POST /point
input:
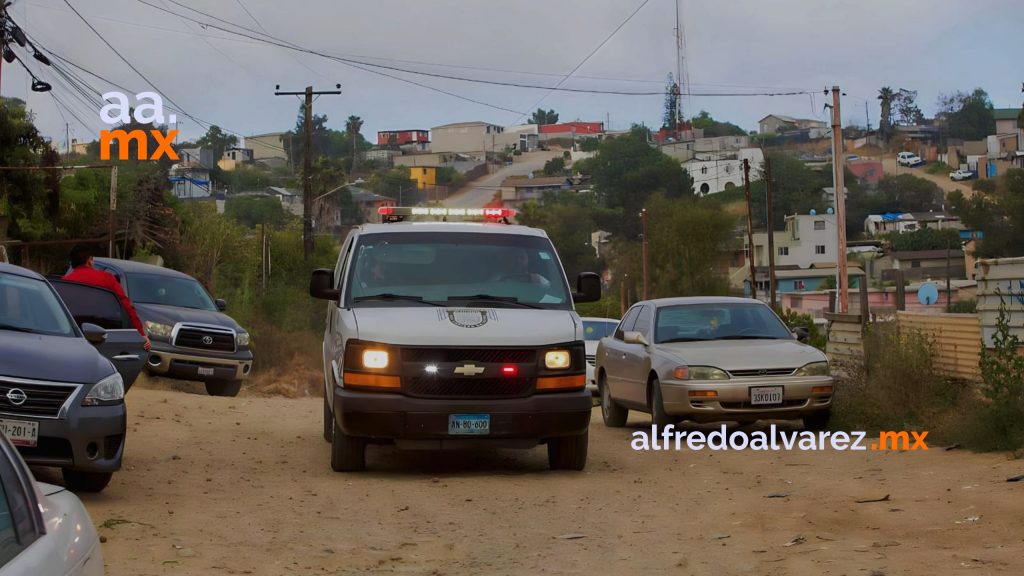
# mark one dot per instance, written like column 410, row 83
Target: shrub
column 963, row 307
column 795, row 318
column 999, row 421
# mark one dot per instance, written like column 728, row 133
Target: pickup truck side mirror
column 588, row 288
column 634, row 338
column 94, row 334
column 321, row 285
column 801, row 333
column 221, row 304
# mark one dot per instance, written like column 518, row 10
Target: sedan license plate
column 20, row 432
column 469, row 424
column 204, row 371
column 765, row 395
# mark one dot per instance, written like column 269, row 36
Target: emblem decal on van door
column 468, row 318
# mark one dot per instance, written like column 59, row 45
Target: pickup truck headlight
column 157, row 329
column 108, row 391
column 242, row 339
column 814, row 369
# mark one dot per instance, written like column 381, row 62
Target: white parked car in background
column 961, row 175
column 44, row 529
column 908, row 159
column 593, row 330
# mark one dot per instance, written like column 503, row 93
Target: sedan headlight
column 108, row 391
column 157, row 329
column 814, row 369
column 242, row 339
column 700, row 373
column 557, row 359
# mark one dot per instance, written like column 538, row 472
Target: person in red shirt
column 83, row 272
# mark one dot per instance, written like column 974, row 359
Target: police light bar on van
column 496, row 213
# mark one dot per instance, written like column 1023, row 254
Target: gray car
column 191, row 336
column 64, row 374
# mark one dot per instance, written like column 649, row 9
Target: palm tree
column 886, row 95
column 353, row 125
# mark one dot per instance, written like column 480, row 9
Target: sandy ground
column 243, row 486
column 890, row 166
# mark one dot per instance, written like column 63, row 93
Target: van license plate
column 469, row 424
column 203, row 371
column 20, row 432
column 765, row 395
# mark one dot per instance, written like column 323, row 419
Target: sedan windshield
column 168, row 291
column 30, row 305
column 456, row 269
column 698, row 322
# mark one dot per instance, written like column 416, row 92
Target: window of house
column 784, row 251
column 819, row 249
column 819, row 224
column 703, row 169
column 915, row 263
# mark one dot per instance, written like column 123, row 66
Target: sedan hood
column 53, row 358
column 423, row 325
column 744, row 354
column 171, row 315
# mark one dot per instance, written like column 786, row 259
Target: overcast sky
column 932, row 46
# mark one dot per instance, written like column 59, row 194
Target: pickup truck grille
column 482, row 355
column 41, row 400
column 205, row 338
column 756, row 372
column 433, row 387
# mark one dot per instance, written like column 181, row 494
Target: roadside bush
column 938, row 168
column 963, row 307
column 794, row 318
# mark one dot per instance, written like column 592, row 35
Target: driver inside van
column 519, row 270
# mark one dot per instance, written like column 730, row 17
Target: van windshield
column 457, row 269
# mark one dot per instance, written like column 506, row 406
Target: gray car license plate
column 765, row 395
column 469, row 424
column 20, row 432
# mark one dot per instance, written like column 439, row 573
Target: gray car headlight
column 242, row 339
column 110, row 390
column 699, row 373
column 814, row 369
column 157, row 329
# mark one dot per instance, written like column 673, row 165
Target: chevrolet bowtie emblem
column 469, row 370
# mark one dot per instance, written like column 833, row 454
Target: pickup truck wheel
column 817, row 422
column 328, row 422
column 223, row 387
column 348, row 454
column 614, row 416
column 568, row 452
column 77, row 481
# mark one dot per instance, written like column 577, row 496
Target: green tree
column 687, row 238
column 392, row 182
column 672, row 115
column 909, row 193
column 554, row 167
column 907, row 112
column 968, row 116
column 713, row 128
column 352, row 127
column 923, row 239
column 217, row 140
column 541, row 117
column 251, row 211
column 568, row 218
column 796, row 189
column 886, row 97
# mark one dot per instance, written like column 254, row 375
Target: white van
column 449, row 335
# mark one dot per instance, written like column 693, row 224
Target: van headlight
column 157, row 329
column 242, row 339
column 108, row 391
column 814, row 369
column 557, row 359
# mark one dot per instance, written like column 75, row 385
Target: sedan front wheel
column 614, row 416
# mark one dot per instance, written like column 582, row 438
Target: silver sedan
column 707, row 360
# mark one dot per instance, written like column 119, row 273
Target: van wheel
column 658, row 416
column 78, row 481
column 348, row 454
column 614, row 416
column 568, row 452
column 223, row 387
column 817, row 422
column 328, row 422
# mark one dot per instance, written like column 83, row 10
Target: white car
column 961, row 175
column 44, row 529
column 593, row 330
column 908, row 159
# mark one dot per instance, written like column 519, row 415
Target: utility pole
column 768, row 186
column 647, row 283
column 838, row 158
column 750, row 230
column 307, row 163
column 113, row 210
column 622, row 295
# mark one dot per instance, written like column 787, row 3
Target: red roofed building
column 867, row 171
column 402, row 137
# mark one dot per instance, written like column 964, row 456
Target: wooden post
column 901, row 291
column 864, row 304
column 750, row 230
column 771, row 231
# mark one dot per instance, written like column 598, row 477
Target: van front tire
column 348, row 454
column 568, row 452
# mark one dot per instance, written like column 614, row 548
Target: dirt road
column 479, row 193
column 890, row 166
column 243, row 486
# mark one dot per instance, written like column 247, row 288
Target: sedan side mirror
column 94, row 334
column 588, row 287
column 634, row 338
column 321, row 285
column 221, row 304
column 801, row 333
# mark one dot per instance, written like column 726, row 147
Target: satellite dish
column 928, row 294
column 829, row 211
column 813, row 212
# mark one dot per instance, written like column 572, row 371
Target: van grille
column 42, row 400
column 205, row 338
column 433, row 387
column 482, row 355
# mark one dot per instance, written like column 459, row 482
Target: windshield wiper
column 670, row 340
column 16, row 328
column 493, row 298
column 389, row 296
column 747, row 337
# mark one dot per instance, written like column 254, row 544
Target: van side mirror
column 801, row 333
column 634, row 338
column 221, row 304
column 588, row 288
column 321, row 285
column 94, row 334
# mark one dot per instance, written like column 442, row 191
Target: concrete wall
column 476, row 138
column 266, row 147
